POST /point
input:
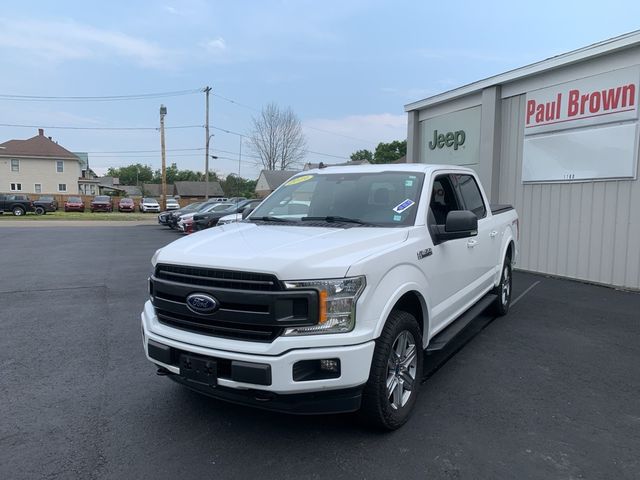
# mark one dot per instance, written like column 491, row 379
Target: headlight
column 337, row 304
column 154, row 259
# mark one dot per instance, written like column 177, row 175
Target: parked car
column 174, row 217
column 74, row 204
column 331, row 310
column 236, row 217
column 126, row 205
column 166, row 217
column 236, row 199
column 185, row 221
column 47, row 202
column 101, row 203
column 17, row 204
column 210, row 219
column 172, row 204
column 148, row 204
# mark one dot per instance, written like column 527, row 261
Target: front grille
column 209, row 277
column 216, row 328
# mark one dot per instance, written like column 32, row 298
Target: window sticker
column 298, row 180
column 397, row 218
column 408, row 183
column 404, row 205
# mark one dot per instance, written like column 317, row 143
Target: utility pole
column 206, row 154
column 163, row 112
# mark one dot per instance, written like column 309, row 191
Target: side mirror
column 247, row 211
column 459, row 224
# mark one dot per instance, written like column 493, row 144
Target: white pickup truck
column 323, row 299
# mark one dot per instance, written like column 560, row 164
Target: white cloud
column 171, row 10
column 60, row 41
column 216, row 45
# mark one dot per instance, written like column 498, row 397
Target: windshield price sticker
column 404, row 205
column 298, row 180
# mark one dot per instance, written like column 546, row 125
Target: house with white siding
column 38, row 165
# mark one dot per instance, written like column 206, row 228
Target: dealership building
column 558, row 140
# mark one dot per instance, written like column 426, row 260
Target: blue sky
column 345, row 67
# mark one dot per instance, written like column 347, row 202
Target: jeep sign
column 452, row 138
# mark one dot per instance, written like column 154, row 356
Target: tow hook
column 162, row 371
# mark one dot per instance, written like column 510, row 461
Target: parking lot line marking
column 524, row 293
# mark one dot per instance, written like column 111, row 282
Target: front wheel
column 503, row 290
column 40, row 211
column 396, row 372
column 18, row 211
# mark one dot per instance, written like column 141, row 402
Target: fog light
column 306, row 370
column 329, row 365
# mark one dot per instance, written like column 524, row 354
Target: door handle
column 493, row 234
column 472, row 243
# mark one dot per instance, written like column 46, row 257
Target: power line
column 70, row 127
column 150, row 151
column 249, row 107
column 99, row 98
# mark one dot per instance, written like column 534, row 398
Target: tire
column 18, row 211
column 396, row 372
column 40, row 211
column 503, row 290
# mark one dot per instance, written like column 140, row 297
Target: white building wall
column 42, row 171
column 587, row 230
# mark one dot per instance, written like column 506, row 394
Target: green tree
column 390, row 152
column 174, row 174
column 235, row 186
column 362, row 155
column 132, row 174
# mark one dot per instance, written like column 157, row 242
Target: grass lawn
column 62, row 215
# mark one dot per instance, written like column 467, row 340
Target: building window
column 93, row 189
column 62, row 187
column 15, row 165
column 16, row 187
column 59, row 166
column 38, row 187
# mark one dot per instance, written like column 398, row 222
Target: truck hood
column 289, row 252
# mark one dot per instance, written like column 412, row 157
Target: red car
column 74, row 204
column 126, row 205
column 101, row 203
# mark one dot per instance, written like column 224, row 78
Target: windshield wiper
column 335, row 219
column 269, row 218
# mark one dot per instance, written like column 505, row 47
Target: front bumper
column 282, row 392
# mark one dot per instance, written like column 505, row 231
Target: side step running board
column 441, row 340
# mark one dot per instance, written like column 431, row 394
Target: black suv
column 46, row 203
column 16, row 204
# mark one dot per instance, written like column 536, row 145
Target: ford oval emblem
column 202, row 304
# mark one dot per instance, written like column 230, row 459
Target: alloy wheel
column 401, row 369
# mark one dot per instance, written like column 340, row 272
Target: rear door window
column 470, row 194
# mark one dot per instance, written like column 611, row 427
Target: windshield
column 149, row 200
column 387, row 199
column 126, row 200
column 191, row 207
column 102, row 198
column 74, row 200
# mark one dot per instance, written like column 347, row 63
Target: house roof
column 197, row 189
column 275, row 178
column 131, row 190
column 36, row 147
column 628, row 40
column 155, row 189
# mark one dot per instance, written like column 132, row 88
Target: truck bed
column 496, row 209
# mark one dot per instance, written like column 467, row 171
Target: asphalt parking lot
column 550, row 391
